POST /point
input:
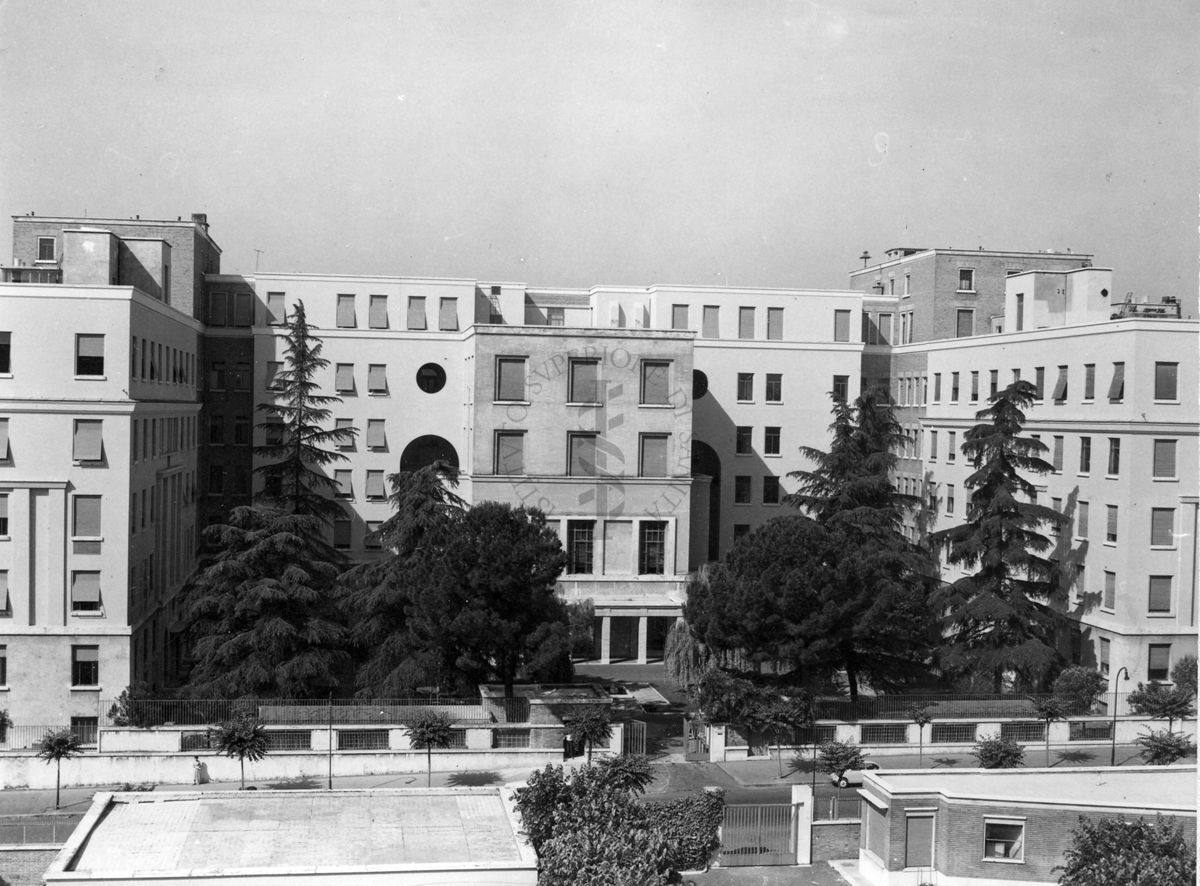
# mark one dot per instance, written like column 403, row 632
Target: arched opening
column 706, row 505
column 425, row 451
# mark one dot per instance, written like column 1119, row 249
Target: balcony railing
column 1168, row 307
column 31, row 275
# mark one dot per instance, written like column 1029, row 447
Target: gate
column 633, row 739
column 695, row 737
column 758, row 834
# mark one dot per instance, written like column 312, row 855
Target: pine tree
column 297, row 444
column 997, row 618
column 260, row 608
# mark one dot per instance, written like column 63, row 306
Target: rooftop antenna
column 257, row 255
column 866, row 257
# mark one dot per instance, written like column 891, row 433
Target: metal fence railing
column 954, row 706
column 836, row 807
column 45, row 829
column 20, row 738
column 297, row 712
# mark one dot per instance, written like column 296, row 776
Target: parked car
column 851, row 777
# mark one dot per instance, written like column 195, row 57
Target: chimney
column 200, row 218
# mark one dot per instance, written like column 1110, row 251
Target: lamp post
column 1116, row 685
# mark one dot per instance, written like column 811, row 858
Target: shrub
column 836, row 757
column 1160, row 703
column 690, row 826
column 1132, row 853
column 1163, row 747
column 130, row 708
column 995, row 752
column 1080, row 687
column 1183, row 675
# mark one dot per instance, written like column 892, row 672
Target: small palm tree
column 431, row 729
column 1048, row 709
column 592, row 725
column 58, row 745
column 244, row 738
column 920, row 716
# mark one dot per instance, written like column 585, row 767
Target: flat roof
column 131, row 835
column 1138, row 788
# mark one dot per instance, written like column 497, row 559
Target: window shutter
column 3, row 439
column 1060, row 386
column 344, row 424
column 91, row 345
column 376, row 436
column 1160, row 593
column 745, row 322
column 655, row 379
column 1058, row 454
column 584, row 379
column 416, row 312
column 88, row 442
column 273, row 368
column 841, row 326
column 510, row 453
column 448, row 315
column 377, row 378
column 654, row 455
column 85, row 588
column 345, row 311
column 375, row 488
column 1162, row 526
column 377, row 317
column 87, row 516
column 1164, row 457
column 712, row 321
column 774, row 324
column 275, row 308
column 344, row 484
column 966, row 324
column 345, row 377
column 1112, row 522
column 679, row 316
column 511, row 381
column 1116, row 390
column 582, row 456
column 1165, row 381
column 1082, row 527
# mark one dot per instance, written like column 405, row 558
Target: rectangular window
column 341, row 533
column 345, row 443
column 741, row 490
column 510, row 378
column 4, row 456
column 1116, row 389
column 954, row 387
column 85, row 665
column 45, row 248
column 416, row 312
column 937, row 387
column 994, row 383
column 740, row 530
column 1085, row 455
column 273, row 433
column 345, row 312
column 581, row 540
column 1159, row 668
column 344, row 378
column 950, row 499
column 371, row 540
column 218, row 309
column 1039, row 382
column 952, row 449
column 743, row 440
column 241, row 430
column 274, row 367
column 377, row 314
column 1089, row 381
column 241, row 376
column 556, row 317
column 1081, row 523
column 771, row 440
column 89, row 355
column 243, row 313
column 745, row 386
column 1114, row 456
column 775, row 324
column 652, row 547
column 679, row 316
column 1057, row 455
column 652, row 460
column 965, row 327
column 841, row 387
column 1004, row 839
column 510, row 452
column 88, row 444
column 86, row 523
column 885, row 329
column 345, row 486
column 1104, row 655
column 584, row 381
column 841, row 326
column 376, row 434
column 712, row 322
column 656, row 377
column 774, row 393
column 1166, row 381
column 770, row 490
column 448, row 315
column 376, row 491
column 1164, row 459
column 377, row 379
column 933, row 445
column 966, row 280
column 1162, row 527
column 974, row 387
column 745, row 322
column 581, row 455
column 1110, row 529
column 1160, row 594
column 276, row 312
column 5, row 353
column 1109, row 600
column 1060, row 386
column 85, row 591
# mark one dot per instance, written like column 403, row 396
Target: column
column 605, row 639
column 643, row 631
column 802, row 817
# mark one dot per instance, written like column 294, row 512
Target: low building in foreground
column 440, row 836
column 977, row 827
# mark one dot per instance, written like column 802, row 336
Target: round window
column 699, row 384
column 431, row 378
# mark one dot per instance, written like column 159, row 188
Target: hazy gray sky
column 577, row 143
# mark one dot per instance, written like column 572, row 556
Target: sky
column 561, row 143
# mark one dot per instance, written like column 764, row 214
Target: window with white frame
column 510, row 452
column 966, row 280
column 1004, row 839
column 89, row 355
column 656, row 375
column 510, row 379
column 85, row 592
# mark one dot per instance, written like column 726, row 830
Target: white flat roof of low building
column 441, row 835
column 1137, row 788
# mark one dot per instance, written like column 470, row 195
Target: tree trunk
column 428, row 765
column 242, row 763
column 852, row 678
column 57, row 782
